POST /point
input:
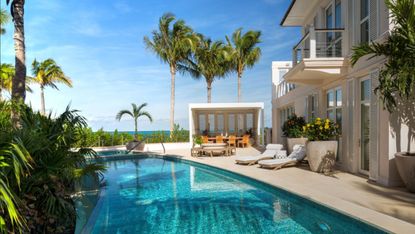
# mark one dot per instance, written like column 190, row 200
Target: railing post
column 312, row 42
column 295, row 57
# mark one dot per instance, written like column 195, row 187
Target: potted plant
column 396, row 86
column 293, row 130
column 321, row 145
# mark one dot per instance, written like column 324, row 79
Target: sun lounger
column 269, row 153
column 296, row 156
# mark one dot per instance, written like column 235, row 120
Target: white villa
column 227, row 119
column 320, row 82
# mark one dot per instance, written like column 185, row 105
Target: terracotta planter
column 295, row 141
column 321, row 155
column 406, row 169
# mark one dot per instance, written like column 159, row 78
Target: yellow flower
column 318, row 122
column 327, row 120
column 321, row 128
column 304, row 128
column 308, row 125
column 318, row 119
column 326, row 126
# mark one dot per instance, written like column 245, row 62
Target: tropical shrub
column 42, row 192
column 293, row 126
column 321, row 130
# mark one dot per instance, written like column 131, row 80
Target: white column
column 191, row 125
column 313, row 46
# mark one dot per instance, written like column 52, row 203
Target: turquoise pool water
column 154, row 195
column 112, row 152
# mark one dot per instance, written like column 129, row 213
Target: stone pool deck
column 392, row 209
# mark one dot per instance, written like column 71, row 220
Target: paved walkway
column 389, row 208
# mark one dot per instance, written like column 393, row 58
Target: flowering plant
column 293, row 126
column 321, row 130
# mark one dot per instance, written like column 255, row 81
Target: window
column 250, row 122
column 241, row 124
column 220, row 123
column 231, row 123
column 329, row 23
column 202, row 124
column 211, row 123
column 364, row 21
column 333, row 17
column 334, row 105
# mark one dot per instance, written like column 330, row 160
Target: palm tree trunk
column 19, row 80
column 135, row 129
column 42, row 100
column 239, row 86
column 209, row 91
column 172, row 96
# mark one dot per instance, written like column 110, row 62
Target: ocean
column 144, row 133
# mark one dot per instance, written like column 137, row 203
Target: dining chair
column 219, row 139
column 244, row 142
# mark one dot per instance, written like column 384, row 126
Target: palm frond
column 121, row 113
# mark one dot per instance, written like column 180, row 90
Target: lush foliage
column 321, row 130
column 137, row 112
column 90, row 138
column 397, row 75
column 45, row 169
column 293, row 126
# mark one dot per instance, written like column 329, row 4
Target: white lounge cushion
column 252, row 158
column 298, row 153
column 269, row 152
column 274, row 146
column 275, row 162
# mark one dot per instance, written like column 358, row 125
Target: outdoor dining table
column 213, row 139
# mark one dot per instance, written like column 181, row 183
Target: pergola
column 227, row 119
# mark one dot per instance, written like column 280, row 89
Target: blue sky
column 99, row 44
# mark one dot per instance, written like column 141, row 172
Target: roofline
column 287, row 12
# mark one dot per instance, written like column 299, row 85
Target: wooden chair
column 244, row 142
column 219, row 139
column 205, row 139
column 232, row 144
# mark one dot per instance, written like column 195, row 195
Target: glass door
column 365, row 96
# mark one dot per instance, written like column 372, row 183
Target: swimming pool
column 156, row 195
column 112, row 152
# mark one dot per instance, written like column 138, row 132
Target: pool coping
column 371, row 217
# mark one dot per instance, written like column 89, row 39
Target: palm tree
column 4, row 19
column 136, row 112
column 210, row 61
column 244, row 53
column 48, row 73
column 19, row 80
column 7, row 72
column 6, row 76
column 173, row 45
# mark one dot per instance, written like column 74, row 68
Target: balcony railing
column 319, row 43
column 283, row 88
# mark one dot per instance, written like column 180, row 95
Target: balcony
column 318, row 57
column 283, row 88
